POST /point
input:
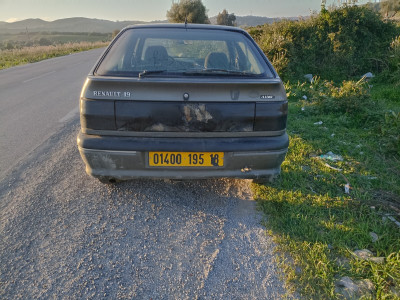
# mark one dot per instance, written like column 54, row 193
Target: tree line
column 194, row 11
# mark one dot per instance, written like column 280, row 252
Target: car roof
column 186, row 26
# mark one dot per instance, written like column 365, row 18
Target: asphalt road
column 36, row 100
column 66, row 235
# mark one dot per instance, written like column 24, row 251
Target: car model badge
column 267, row 97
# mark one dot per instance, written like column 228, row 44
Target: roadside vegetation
column 333, row 210
column 18, row 49
column 9, row 41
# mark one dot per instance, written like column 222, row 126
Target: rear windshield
column 181, row 52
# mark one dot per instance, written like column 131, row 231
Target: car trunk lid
column 187, row 105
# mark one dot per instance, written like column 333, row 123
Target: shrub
column 350, row 97
column 335, row 44
column 392, row 72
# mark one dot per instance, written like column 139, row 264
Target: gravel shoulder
column 65, row 235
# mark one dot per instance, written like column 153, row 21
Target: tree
column 225, row 18
column 191, row 10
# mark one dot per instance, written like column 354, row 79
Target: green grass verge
column 315, row 223
column 15, row 57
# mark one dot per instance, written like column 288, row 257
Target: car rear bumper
column 127, row 157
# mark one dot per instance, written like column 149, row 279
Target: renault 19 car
column 183, row 101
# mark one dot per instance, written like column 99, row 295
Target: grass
column 315, row 223
column 15, row 57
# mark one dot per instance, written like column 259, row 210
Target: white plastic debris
column 304, row 97
column 368, row 75
column 303, row 109
column 331, row 156
column 347, row 188
column 309, row 77
column 374, row 237
column 333, row 168
column 393, row 220
column 319, row 123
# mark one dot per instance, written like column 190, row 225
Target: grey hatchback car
column 183, row 101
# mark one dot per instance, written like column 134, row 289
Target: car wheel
column 107, row 180
column 265, row 180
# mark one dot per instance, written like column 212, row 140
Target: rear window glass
column 181, row 52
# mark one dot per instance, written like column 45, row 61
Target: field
column 26, row 39
column 15, row 57
column 22, row 48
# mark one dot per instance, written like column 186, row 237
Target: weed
column 390, row 130
column 316, row 224
column 392, row 72
column 351, row 98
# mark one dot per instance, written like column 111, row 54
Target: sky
column 148, row 10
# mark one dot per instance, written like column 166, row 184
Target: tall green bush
column 392, row 72
column 335, row 44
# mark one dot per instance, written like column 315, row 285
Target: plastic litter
column 331, row 156
column 333, row 168
column 319, row 123
column 374, row 237
column 303, row 109
column 304, row 97
column 347, row 188
column 368, row 75
column 309, row 77
column 393, row 220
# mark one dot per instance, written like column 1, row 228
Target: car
column 183, row 101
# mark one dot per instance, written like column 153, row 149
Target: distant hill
column 66, row 25
column 247, row 21
column 102, row 26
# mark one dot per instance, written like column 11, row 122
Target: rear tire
column 107, row 180
column 265, row 180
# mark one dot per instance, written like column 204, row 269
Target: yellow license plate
column 186, row 159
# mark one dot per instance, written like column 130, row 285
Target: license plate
column 186, row 159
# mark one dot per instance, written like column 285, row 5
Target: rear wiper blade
column 147, row 72
column 211, row 71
